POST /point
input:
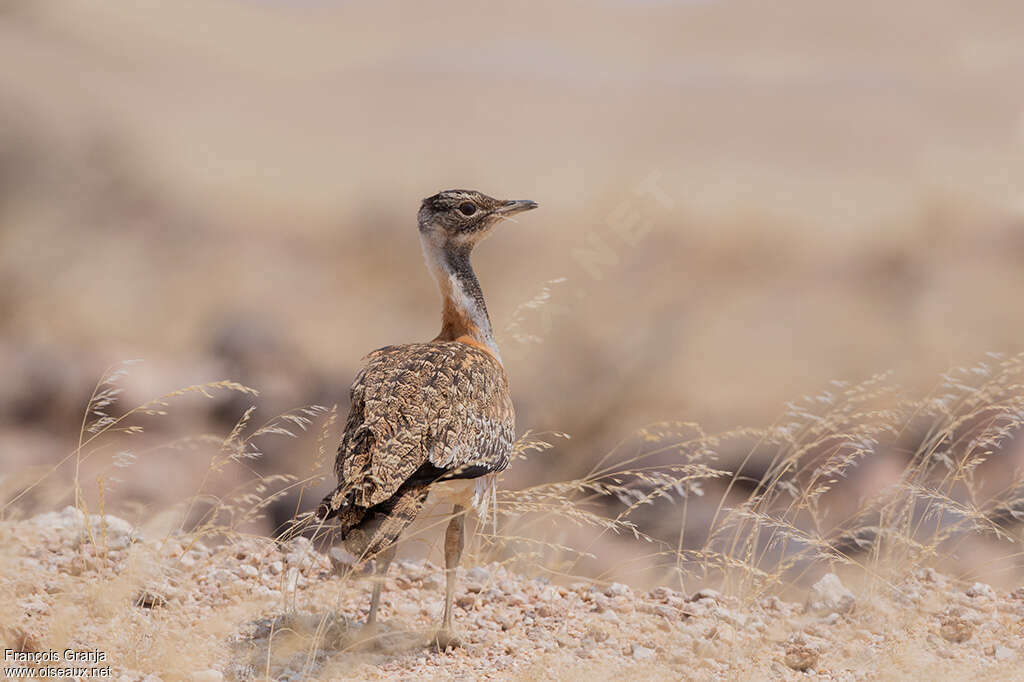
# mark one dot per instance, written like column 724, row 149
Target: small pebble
column 641, row 653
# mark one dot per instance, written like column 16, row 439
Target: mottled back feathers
column 442, row 406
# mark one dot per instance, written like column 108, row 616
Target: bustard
column 428, row 419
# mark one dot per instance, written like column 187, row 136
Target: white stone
column 1004, row 653
column 548, row 594
column 69, row 517
column 706, row 593
column 618, row 590
column 114, row 524
column 247, row 571
column 207, row 676
column 298, row 544
column 478, row 574
column 220, row 575
column 981, row 590
column 642, row 653
column 829, row 595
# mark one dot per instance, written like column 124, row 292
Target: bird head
column 463, row 217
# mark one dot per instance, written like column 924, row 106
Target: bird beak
column 516, row 206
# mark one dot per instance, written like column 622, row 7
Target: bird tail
column 338, row 504
column 381, row 525
column 365, row 531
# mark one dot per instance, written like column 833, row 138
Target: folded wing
column 437, row 409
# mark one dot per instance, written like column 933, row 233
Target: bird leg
column 380, row 569
column 453, row 544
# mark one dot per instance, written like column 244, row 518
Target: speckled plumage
column 428, row 417
column 446, row 404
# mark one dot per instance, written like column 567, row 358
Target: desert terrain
column 763, row 329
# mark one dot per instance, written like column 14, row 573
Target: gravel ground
column 177, row 609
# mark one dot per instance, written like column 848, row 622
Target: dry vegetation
column 185, row 592
column 738, row 204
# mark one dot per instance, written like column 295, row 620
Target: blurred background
column 740, row 202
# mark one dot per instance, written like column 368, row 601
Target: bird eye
column 467, row 209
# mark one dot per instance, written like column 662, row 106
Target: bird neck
column 464, row 315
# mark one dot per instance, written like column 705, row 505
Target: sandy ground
column 175, row 608
column 738, row 206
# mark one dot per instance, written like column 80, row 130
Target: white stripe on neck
column 454, row 289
